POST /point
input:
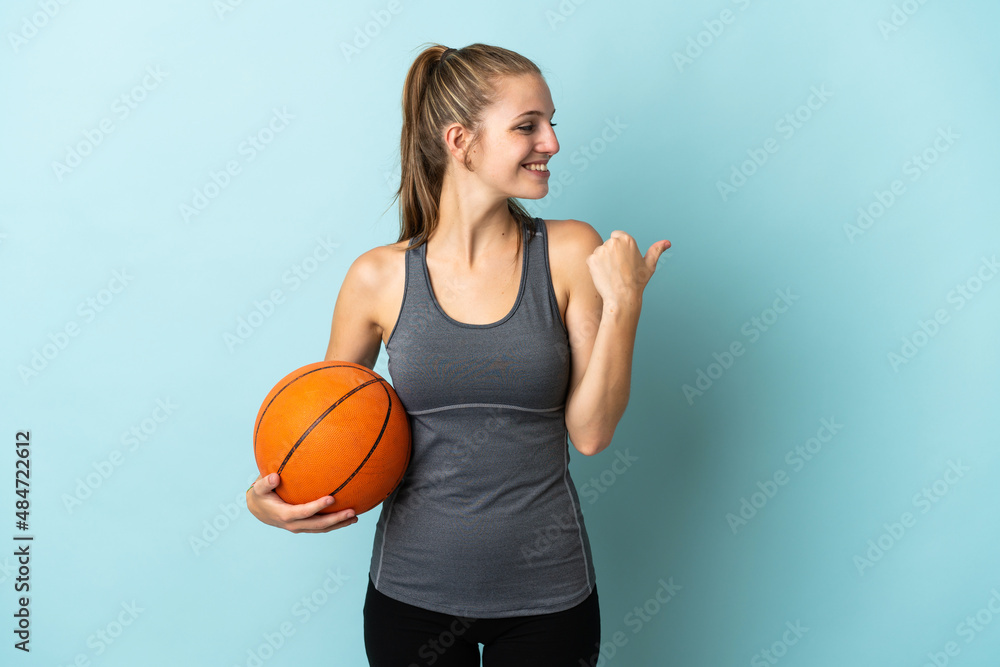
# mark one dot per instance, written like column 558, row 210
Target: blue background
column 695, row 93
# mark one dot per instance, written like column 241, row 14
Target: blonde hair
column 445, row 86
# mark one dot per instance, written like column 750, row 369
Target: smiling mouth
column 536, row 167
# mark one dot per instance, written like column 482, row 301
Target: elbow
column 590, row 437
column 591, row 447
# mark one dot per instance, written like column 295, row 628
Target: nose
column 549, row 144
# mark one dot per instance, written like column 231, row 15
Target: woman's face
column 517, row 129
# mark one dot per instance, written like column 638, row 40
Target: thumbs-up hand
column 619, row 272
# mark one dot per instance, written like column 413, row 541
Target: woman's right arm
column 266, row 505
column 355, row 336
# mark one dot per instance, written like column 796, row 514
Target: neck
column 471, row 232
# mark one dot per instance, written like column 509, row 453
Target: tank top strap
column 540, row 289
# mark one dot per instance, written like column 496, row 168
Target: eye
column 530, row 127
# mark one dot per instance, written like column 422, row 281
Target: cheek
column 506, row 166
column 512, row 152
column 504, row 158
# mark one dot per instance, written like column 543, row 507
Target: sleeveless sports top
column 486, row 522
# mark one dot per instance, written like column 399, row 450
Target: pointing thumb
column 654, row 253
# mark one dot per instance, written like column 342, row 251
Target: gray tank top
column 486, row 522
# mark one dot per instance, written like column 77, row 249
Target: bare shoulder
column 365, row 272
column 386, row 268
column 359, row 314
column 359, row 291
column 381, row 257
column 571, row 242
column 572, row 234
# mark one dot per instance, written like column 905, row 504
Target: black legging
column 401, row 635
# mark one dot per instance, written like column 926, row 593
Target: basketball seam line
column 260, row 419
column 374, row 446
column 321, row 418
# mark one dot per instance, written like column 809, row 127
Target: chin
column 531, row 196
column 537, row 192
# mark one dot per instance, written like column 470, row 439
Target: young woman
column 506, row 335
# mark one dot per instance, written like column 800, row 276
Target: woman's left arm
column 607, row 279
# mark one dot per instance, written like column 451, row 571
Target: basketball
column 333, row 428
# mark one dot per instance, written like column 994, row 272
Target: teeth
column 537, row 167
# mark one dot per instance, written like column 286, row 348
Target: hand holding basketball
column 331, row 438
column 269, row 508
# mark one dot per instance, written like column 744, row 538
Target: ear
column 457, row 140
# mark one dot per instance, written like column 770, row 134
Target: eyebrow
column 533, row 113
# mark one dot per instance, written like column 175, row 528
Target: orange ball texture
column 333, row 428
